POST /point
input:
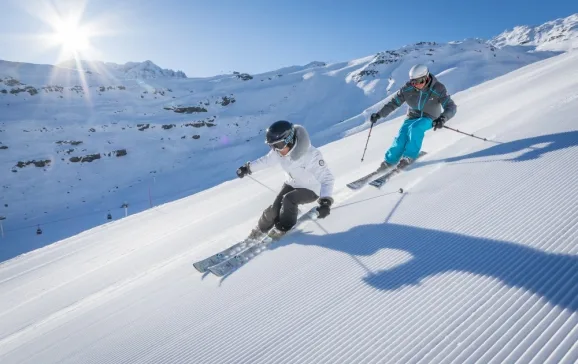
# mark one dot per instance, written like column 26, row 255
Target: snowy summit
column 130, row 70
column 556, row 35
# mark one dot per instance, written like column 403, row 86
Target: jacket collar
column 302, row 143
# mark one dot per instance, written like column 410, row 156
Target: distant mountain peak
column 315, row 64
column 556, row 35
column 129, row 70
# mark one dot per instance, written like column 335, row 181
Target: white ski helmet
column 417, row 71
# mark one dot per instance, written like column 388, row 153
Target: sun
column 68, row 31
column 67, row 27
column 71, row 36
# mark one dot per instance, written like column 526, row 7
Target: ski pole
column 370, row 128
column 269, row 188
column 472, row 135
column 262, row 184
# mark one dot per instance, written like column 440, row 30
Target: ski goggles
column 278, row 145
column 418, row 81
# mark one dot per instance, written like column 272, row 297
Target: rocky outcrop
column 87, row 158
column 52, row 88
column 243, row 76
column 40, row 163
column 187, row 109
column 199, row 124
column 92, row 157
column 196, row 124
column 77, row 89
column 226, row 100
column 71, row 142
column 9, row 81
column 31, row 90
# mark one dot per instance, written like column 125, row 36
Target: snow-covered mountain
column 556, row 35
column 78, row 145
column 130, row 70
column 476, row 262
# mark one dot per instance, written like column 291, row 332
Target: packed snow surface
column 476, row 262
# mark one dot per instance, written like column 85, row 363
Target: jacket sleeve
column 265, row 161
column 318, row 167
column 447, row 103
column 396, row 101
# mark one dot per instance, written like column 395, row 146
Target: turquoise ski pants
column 408, row 141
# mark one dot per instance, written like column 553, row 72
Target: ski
column 379, row 182
column 231, row 264
column 203, row 265
column 357, row 184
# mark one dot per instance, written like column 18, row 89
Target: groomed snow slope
column 71, row 151
column 476, row 262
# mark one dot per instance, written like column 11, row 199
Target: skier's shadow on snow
column 552, row 276
column 531, row 148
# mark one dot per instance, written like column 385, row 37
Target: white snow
column 477, row 262
column 110, row 107
column 130, row 70
column 556, row 35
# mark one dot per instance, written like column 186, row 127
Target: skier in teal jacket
column 425, row 97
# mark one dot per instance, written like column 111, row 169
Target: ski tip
column 200, row 269
column 217, row 272
column 353, row 187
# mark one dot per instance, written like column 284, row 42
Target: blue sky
column 209, row 37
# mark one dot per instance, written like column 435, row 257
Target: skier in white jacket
column 308, row 178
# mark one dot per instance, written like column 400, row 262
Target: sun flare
column 71, row 36
column 69, row 28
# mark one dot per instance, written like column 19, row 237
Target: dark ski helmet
column 279, row 134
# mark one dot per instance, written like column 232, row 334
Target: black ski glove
column 374, row 117
column 243, row 170
column 324, row 207
column 439, row 123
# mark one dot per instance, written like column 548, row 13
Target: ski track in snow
column 476, row 262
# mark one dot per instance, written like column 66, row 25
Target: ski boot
column 404, row 162
column 276, row 234
column 385, row 166
column 256, row 234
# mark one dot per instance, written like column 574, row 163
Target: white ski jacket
column 303, row 165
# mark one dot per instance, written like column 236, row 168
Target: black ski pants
column 283, row 212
